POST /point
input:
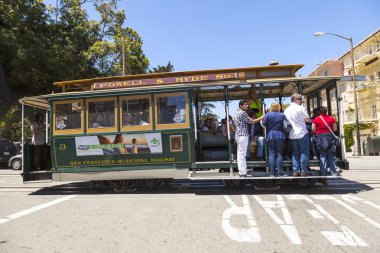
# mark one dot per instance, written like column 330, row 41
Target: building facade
column 367, row 66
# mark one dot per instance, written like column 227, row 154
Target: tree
column 159, row 69
column 10, row 125
column 107, row 51
column 24, row 43
column 40, row 44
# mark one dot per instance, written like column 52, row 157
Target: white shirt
column 38, row 138
column 296, row 114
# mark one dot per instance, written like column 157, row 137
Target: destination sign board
column 357, row 78
column 162, row 81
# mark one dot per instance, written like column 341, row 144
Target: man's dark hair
column 242, row 102
column 316, row 111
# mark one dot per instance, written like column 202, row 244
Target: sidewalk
column 364, row 162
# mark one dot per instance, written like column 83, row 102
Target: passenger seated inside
column 74, row 120
column 145, row 118
column 209, row 126
column 99, row 121
column 166, row 113
column 232, row 134
column 136, row 119
column 127, row 119
column 61, row 122
column 255, row 150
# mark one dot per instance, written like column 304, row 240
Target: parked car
column 15, row 162
column 7, row 150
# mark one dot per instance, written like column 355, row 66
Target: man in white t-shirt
column 299, row 136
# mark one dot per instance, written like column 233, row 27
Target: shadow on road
column 218, row 187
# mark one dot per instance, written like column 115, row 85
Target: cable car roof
column 279, row 80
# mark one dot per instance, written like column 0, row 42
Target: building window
column 67, row 117
column 371, row 78
column 374, row 112
column 325, row 72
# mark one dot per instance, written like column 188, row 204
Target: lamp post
column 317, row 34
column 108, row 6
column 123, row 52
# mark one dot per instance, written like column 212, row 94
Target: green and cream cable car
column 147, row 126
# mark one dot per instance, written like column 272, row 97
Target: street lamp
column 317, row 34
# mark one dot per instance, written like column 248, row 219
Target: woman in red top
column 325, row 141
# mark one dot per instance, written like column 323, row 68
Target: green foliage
column 10, row 125
column 107, row 52
column 206, row 108
column 41, row 44
column 349, row 130
column 23, row 41
column 159, row 69
column 349, row 140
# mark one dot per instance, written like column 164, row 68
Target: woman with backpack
column 324, row 127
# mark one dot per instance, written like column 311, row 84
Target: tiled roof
column 341, row 58
column 326, row 61
column 360, row 43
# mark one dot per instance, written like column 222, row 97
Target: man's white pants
column 242, row 144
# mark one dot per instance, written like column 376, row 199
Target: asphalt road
column 343, row 216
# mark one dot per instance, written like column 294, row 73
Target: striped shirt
column 241, row 122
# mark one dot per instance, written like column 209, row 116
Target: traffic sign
column 349, row 78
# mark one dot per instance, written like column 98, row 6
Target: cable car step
column 215, row 174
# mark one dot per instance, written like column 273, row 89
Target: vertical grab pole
column 22, row 137
column 341, row 124
column 226, row 105
column 46, row 127
column 263, row 108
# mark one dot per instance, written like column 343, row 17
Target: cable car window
column 136, row 112
column 101, row 114
column 172, row 110
column 67, row 117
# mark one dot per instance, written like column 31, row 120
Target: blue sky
column 213, row 34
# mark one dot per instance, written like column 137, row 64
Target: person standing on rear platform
column 274, row 125
column 323, row 126
column 242, row 136
column 39, row 140
column 299, row 136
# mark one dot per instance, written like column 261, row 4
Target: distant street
column 343, row 216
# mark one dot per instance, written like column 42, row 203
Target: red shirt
column 321, row 126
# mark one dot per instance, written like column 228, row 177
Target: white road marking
column 35, row 209
column 323, row 197
column 287, row 223
column 344, row 238
column 316, row 214
column 350, row 198
column 241, row 235
column 353, row 210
